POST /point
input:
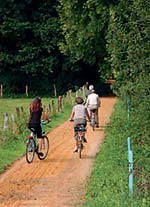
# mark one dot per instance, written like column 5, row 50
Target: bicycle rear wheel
column 93, row 122
column 45, row 148
column 30, row 150
column 93, row 125
column 80, row 148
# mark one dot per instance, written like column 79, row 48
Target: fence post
column 130, row 157
column 18, row 112
column 49, row 109
column 59, row 103
column 53, row 107
column 1, row 91
column 5, row 120
column 130, row 153
column 55, row 91
column 27, row 91
column 13, row 122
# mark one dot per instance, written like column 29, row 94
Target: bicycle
column 93, row 118
column 80, row 130
column 32, row 146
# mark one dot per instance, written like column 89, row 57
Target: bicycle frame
column 80, row 130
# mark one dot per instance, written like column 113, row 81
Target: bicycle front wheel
column 45, row 148
column 30, row 150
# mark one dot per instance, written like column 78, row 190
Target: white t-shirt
column 80, row 111
column 92, row 100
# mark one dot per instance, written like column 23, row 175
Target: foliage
column 29, row 31
column 84, row 24
column 31, row 36
column 128, row 49
column 128, row 40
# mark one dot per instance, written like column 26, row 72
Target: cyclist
column 78, row 115
column 93, row 102
column 36, row 109
column 88, row 92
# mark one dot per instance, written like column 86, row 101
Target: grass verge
column 108, row 184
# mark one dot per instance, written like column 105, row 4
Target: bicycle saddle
column 80, row 127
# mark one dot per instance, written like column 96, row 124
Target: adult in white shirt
column 93, row 102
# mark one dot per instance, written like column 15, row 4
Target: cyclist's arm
column 72, row 116
column 99, row 102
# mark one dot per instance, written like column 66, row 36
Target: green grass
column 108, row 184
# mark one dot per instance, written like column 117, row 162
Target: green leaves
column 83, row 25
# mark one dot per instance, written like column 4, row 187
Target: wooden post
column 18, row 112
column 70, row 94
column 21, row 108
column 49, row 109
column 55, row 91
column 27, row 90
column 1, row 91
column 44, row 116
column 59, row 103
column 13, row 123
column 5, row 121
column 53, row 107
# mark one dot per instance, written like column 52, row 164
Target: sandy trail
column 58, row 181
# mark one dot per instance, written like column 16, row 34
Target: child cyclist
column 36, row 109
column 78, row 115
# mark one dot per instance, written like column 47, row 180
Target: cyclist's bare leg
column 76, row 142
column 76, row 146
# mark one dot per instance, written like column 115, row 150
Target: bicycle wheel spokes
column 45, row 148
column 30, row 150
column 93, row 122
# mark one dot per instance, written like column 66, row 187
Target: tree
column 28, row 38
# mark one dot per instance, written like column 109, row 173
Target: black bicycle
column 80, row 130
column 32, row 146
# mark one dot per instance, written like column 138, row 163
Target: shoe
column 84, row 140
column 40, row 154
column 97, row 126
column 75, row 150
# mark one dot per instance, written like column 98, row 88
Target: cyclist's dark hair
column 37, row 100
column 79, row 100
column 35, row 105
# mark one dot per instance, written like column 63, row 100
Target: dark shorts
column 37, row 129
column 79, row 121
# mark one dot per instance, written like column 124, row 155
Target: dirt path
column 58, row 181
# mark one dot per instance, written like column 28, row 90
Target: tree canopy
column 67, row 43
